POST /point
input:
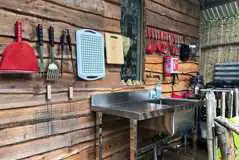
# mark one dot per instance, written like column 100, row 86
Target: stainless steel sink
column 172, row 116
column 181, row 120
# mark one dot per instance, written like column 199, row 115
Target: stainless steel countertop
column 137, row 111
column 134, row 105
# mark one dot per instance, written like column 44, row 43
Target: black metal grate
column 227, row 73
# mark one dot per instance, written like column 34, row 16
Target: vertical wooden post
column 210, row 118
column 133, row 139
column 214, row 115
column 99, row 136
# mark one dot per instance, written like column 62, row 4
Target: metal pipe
column 216, row 90
column 99, row 153
column 133, row 139
column 223, row 102
column 155, row 152
column 231, row 104
column 236, row 101
column 185, row 143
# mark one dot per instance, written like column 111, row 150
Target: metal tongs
column 66, row 45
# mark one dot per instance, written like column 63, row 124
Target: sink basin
column 168, row 115
column 174, row 102
column 180, row 121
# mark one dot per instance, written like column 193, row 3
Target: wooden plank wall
column 181, row 17
column 31, row 127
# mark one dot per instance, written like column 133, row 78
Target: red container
column 167, row 66
column 174, row 95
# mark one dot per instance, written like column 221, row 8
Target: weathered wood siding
column 181, row 17
column 31, row 128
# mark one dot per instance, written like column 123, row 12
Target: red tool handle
column 149, row 33
column 19, row 31
column 159, row 35
column 158, row 46
column 149, row 45
column 145, row 40
column 152, row 41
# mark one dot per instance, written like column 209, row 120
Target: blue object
column 152, row 94
column 155, row 93
column 90, row 54
column 158, row 90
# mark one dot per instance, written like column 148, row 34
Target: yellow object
column 235, row 121
column 126, row 45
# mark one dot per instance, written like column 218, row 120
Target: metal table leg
column 194, row 141
column 99, row 136
column 133, row 139
column 195, row 131
column 155, row 152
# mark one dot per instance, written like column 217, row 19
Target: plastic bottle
column 152, row 94
column 158, row 90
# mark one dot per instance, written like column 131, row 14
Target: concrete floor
column 201, row 154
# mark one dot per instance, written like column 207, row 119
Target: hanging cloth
column 184, row 52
